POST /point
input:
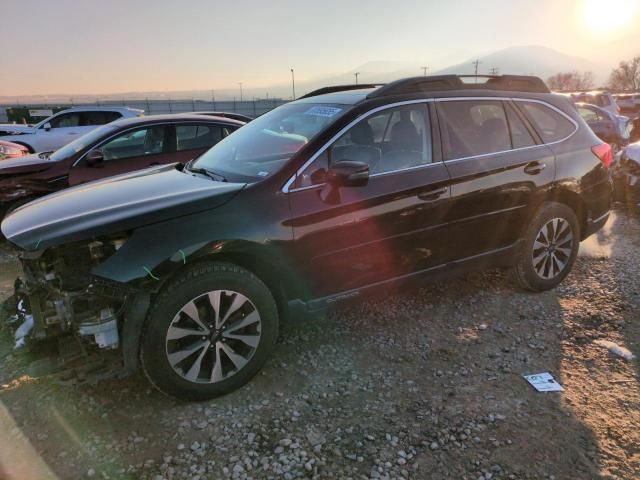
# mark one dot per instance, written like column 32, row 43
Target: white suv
column 63, row 127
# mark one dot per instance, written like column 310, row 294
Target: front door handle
column 432, row 195
column 534, row 168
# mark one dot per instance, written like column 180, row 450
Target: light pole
column 425, row 70
column 356, row 74
column 240, row 83
column 293, row 84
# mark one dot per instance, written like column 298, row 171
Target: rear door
column 391, row 228
column 131, row 150
column 497, row 167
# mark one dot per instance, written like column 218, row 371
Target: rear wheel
column 549, row 249
column 209, row 333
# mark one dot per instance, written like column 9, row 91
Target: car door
column 391, row 228
column 57, row 132
column 131, row 150
column 497, row 167
column 193, row 139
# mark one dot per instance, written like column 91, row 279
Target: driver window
column 135, row 143
column 393, row 139
column 66, row 120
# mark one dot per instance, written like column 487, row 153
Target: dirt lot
column 426, row 384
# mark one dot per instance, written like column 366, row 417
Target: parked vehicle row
column 628, row 103
column 119, row 147
column 188, row 268
column 61, row 128
column 610, row 128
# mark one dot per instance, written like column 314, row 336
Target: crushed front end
column 59, row 299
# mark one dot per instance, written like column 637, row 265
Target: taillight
column 604, row 153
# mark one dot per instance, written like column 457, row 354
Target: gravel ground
column 422, row 384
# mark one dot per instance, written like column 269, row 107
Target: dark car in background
column 610, row 128
column 347, row 192
column 118, row 147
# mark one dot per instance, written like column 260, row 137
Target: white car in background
column 63, row 127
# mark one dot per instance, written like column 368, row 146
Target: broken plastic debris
column 22, row 332
column 616, row 349
column 543, row 382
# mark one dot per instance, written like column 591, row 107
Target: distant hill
column 520, row 60
column 529, row 60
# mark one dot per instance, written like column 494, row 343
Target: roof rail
column 340, row 88
column 512, row 83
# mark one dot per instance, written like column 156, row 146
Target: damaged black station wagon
column 186, row 269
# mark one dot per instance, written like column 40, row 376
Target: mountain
column 520, row 60
column 528, row 60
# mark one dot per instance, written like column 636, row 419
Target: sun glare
column 608, row 17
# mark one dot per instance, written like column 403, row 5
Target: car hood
column 16, row 128
column 25, row 164
column 114, row 205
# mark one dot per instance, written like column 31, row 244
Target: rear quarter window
column 551, row 125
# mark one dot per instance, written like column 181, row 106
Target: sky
column 108, row 46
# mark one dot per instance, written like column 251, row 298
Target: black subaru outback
column 187, row 268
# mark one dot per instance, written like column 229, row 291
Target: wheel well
column 271, row 276
column 573, row 201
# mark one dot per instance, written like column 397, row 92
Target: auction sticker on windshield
column 323, row 111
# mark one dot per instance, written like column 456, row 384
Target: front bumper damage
column 81, row 319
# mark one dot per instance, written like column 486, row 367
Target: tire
column 538, row 267
column 219, row 362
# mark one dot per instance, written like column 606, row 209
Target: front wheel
column 549, row 248
column 209, row 332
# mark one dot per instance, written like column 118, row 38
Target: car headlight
column 9, row 150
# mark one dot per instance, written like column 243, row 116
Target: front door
column 131, row 150
column 391, row 228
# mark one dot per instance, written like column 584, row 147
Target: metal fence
column 251, row 108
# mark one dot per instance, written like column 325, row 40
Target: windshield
column 81, row 143
column 262, row 147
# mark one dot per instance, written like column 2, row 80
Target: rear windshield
column 262, row 147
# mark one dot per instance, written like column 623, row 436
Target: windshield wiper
column 203, row 171
column 44, row 155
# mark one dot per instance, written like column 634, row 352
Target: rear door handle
column 534, row 168
column 432, row 195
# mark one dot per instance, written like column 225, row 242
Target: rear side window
column 98, row 118
column 191, row 137
column 473, row 127
column 551, row 125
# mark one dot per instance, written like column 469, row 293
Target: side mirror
column 47, row 126
column 348, row 173
column 94, row 157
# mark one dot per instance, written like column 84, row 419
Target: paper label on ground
column 544, row 382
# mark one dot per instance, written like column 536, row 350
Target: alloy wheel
column 213, row 336
column 552, row 248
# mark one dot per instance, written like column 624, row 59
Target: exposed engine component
column 105, row 332
column 55, row 297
